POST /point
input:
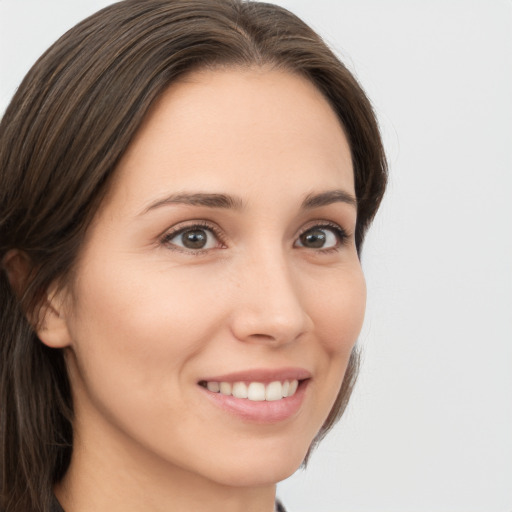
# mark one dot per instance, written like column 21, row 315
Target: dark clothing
column 279, row 507
column 57, row 508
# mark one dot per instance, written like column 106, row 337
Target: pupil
column 314, row 239
column 195, row 239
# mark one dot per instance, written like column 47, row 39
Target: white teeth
column 213, row 386
column 225, row 388
column 274, row 391
column 286, row 388
column 240, row 390
column 255, row 391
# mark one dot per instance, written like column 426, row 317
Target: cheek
column 338, row 311
column 139, row 307
column 138, row 328
column 133, row 332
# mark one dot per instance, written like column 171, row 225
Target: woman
column 185, row 189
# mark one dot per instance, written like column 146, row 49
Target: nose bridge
column 269, row 304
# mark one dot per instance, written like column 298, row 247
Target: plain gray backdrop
column 429, row 428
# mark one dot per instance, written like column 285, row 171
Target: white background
column 430, row 425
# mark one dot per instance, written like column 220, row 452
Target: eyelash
column 166, row 239
column 340, row 233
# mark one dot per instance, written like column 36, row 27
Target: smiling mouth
column 254, row 391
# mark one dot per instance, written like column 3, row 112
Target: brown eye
column 196, row 239
column 193, row 238
column 320, row 237
column 314, row 239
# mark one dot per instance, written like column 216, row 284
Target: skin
column 145, row 319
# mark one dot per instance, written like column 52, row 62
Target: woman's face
column 223, row 257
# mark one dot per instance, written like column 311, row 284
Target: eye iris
column 194, row 239
column 315, row 238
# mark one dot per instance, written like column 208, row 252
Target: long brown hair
column 61, row 137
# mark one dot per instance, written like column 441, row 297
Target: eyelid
column 342, row 234
column 173, row 232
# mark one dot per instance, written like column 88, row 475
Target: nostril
column 263, row 336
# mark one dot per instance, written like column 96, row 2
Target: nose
column 269, row 303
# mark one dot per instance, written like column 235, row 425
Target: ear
column 48, row 319
column 17, row 266
column 52, row 328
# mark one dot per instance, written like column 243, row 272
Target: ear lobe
column 52, row 328
column 48, row 319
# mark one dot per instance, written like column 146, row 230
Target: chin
column 260, row 467
column 256, row 476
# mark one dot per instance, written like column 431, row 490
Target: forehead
column 226, row 130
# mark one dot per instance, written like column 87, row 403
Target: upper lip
column 261, row 375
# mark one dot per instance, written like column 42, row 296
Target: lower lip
column 263, row 411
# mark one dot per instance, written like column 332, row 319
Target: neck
column 76, row 496
column 105, row 477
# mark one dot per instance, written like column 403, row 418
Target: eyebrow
column 199, row 199
column 224, row 201
column 328, row 197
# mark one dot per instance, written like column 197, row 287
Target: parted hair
column 61, row 137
